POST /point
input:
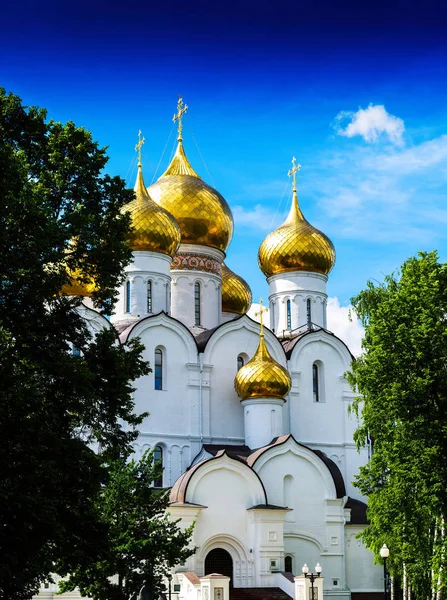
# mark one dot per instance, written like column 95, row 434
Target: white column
column 298, row 287
column 203, row 266
column 146, row 267
column 263, row 419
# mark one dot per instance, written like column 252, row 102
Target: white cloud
column 370, row 123
column 255, row 218
column 343, row 322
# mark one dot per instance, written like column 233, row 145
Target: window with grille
column 289, row 315
column 309, row 312
column 197, row 303
column 149, row 296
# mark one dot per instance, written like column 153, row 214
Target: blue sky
column 264, row 82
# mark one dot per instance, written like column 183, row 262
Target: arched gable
column 167, row 322
column 186, row 488
column 328, row 471
column 247, row 324
column 324, row 337
column 96, row 322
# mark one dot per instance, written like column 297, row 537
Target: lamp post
column 384, row 553
column 312, row 576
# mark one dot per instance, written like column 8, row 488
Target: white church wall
column 361, row 573
column 174, row 408
column 225, row 487
column 323, row 421
column 226, row 415
column 295, row 477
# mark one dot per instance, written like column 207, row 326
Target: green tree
column 402, row 379
column 143, row 544
column 56, row 408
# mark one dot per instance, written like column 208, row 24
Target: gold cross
column 259, row 314
column 138, row 146
column 293, row 171
column 178, row 116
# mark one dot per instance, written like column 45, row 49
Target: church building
column 250, row 419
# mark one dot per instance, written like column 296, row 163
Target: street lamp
column 384, row 553
column 312, row 576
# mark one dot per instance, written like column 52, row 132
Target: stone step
column 273, row 593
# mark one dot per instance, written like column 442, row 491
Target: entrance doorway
column 219, row 561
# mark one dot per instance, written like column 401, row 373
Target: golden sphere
column 262, row 377
column 154, row 228
column 296, row 246
column 202, row 213
column 236, row 293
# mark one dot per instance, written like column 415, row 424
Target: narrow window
column 158, row 463
column 288, row 564
column 149, row 296
column 197, row 303
column 315, row 383
column 127, row 296
column 240, row 362
column 158, row 370
column 289, row 316
column 309, row 312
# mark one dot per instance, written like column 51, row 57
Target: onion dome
column 236, row 293
column 154, row 228
column 262, row 376
column 296, row 245
column 201, row 211
column 76, row 287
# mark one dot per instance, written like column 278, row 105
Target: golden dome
column 203, row 214
column 77, row 288
column 236, row 293
column 296, row 246
column 154, row 228
column 262, row 376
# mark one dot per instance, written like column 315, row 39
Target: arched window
column 289, row 315
column 197, row 303
column 309, row 312
column 158, row 462
column 288, row 564
column 76, row 351
column 158, row 369
column 127, row 299
column 149, row 296
column 240, row 362
column 315, row 383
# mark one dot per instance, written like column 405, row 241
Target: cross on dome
column 138, row 147
column 259, row 314
column 293, row 172
column 179, row 115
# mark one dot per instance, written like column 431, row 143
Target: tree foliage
column 143, row 543
column 402, row 379
column 58, row 214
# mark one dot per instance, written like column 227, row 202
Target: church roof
column 249, row 457
column 289, row 343
column 332, row 467
column 358, row 512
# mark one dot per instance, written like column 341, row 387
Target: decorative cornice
column 183, row 261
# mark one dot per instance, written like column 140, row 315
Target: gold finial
column 259, row 314
column 293, row 171
column 178, row 116
column 138, row 147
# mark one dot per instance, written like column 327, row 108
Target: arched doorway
column 219, row 561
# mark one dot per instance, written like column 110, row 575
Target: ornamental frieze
column 196, row 262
